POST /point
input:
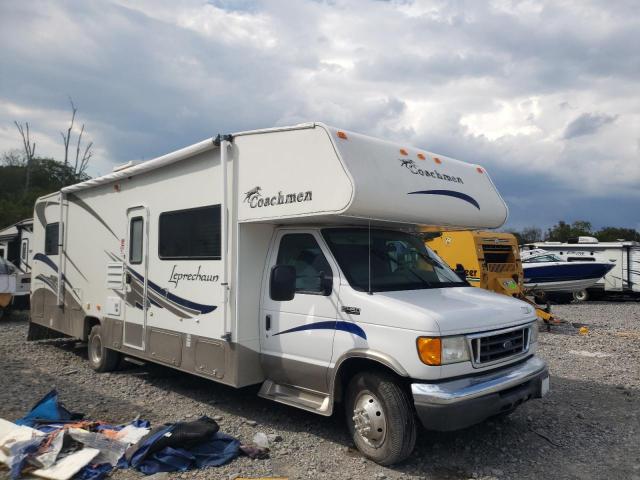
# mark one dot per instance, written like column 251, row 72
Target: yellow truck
column 490, row 260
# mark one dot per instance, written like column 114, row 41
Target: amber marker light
column 422, row 156
column 403, row 152
column 437, row 160
column 430, row 350
column 342, row 135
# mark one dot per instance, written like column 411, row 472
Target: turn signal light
column 430, row 350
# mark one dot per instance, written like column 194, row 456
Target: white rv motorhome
column 291, row 258
column 622, row 279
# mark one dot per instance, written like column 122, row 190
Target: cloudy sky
column 544, row 94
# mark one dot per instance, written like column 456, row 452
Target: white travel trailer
column 15, row 249
column 622, row 279
column 291, row 258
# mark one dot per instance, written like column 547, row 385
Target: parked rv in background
column 15, row 249
column 290, row 257
column 622, row 279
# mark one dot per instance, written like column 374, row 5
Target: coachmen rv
column 291, row 258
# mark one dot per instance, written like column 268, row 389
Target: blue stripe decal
column 47, row 261
column 450, row 193
column 183, row 302
column 330, row 325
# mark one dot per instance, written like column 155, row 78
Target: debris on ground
column 53, row 443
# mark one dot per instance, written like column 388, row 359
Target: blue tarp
column 213, row 451
column 49, row 410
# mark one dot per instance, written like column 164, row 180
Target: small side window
column 135, row 240
column 51, row 232
column 301, row 251
column 25, row 250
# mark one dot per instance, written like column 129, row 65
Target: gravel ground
column 588, row 427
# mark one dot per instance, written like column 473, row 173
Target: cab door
column 135, row 285
column 297, row 335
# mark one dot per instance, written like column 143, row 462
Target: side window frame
column 329, row 274
column 187, row 257
column 131, row 242
column 54, row 250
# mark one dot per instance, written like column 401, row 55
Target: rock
column 260, row 440
column 274, row 437
column 251, row 423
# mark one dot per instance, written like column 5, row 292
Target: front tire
column 380, row 417
column 101, row 358
column 581, row 295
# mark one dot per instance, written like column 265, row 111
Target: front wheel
column 380, row 417
column 581, row 295
column 101, row 358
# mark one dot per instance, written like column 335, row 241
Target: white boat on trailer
column 547, row 272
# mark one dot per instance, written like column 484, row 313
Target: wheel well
column 89, row 323
column 354, row 365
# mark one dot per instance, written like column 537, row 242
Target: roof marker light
column 403, row 152
column 421, row 156
column 342, row 135
column 437, row 160
column 480, row 170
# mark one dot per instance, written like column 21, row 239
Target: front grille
column 499, row 346
column 501, row 267
column 496, row 248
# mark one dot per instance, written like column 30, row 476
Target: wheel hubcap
column 369, row 419
column 96, row 350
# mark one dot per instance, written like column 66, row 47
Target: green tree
column 612, row 234
column 562, row 231
column 46, row 176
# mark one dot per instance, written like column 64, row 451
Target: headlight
column 534, row 333
column 442, row 350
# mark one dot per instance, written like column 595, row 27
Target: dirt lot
column 588, row 427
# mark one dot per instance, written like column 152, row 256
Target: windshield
column 398, row 260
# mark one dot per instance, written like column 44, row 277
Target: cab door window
column 301, row 251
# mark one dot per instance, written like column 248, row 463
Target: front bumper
column 462, row 402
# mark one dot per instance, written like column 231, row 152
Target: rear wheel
column 380, row 417
column 581, row 295
column 101, row 358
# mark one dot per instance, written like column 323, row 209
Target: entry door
column 297, row 335
column 135, row 285
column 614, row 280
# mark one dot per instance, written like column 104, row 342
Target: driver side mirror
column 282, row 283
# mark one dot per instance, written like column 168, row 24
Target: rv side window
column 135, row 240
column 51, row 239
column 25, row 250
column 192, row 234
column 301, row 251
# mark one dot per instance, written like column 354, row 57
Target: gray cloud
column 496, row 83
column 587, row 124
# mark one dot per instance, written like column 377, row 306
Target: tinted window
column 301, row 251
column 51, row 239
column 136, row 236
column 190, row 234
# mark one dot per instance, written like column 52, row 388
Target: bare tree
column 29, row 150
column 66, row 138
column 81, row 161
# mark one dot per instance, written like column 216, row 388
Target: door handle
column 268, row 323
